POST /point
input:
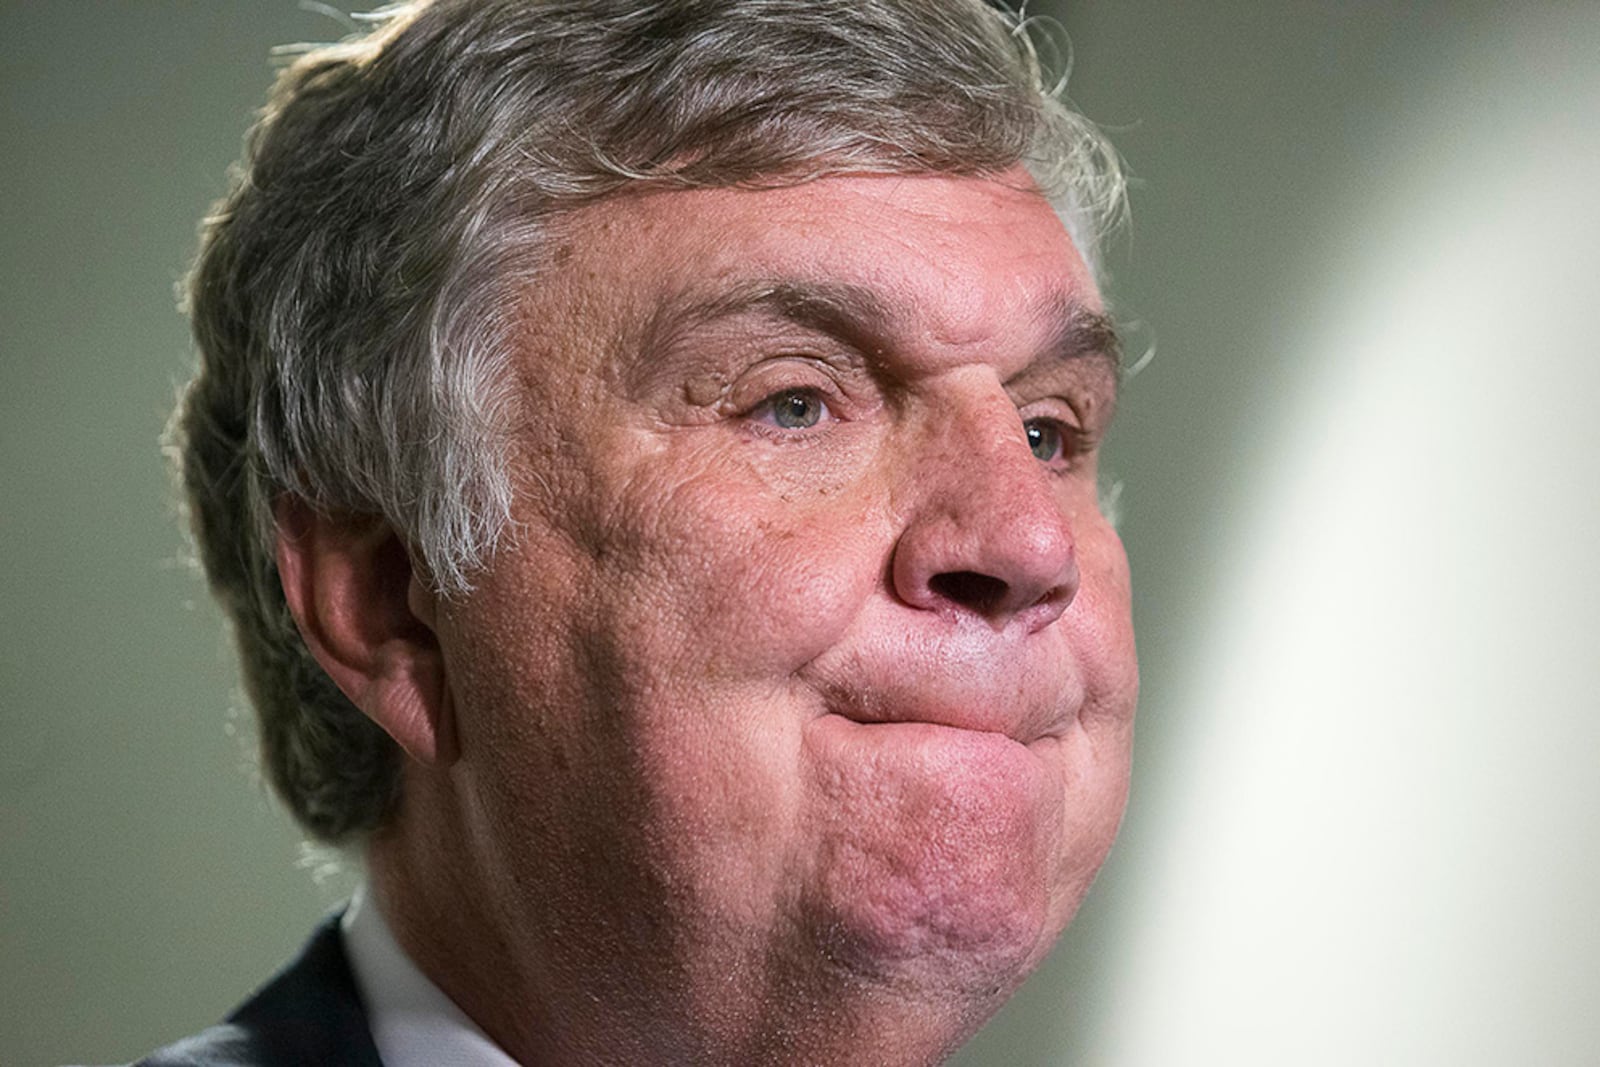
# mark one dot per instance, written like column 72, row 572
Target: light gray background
column 1361, row 503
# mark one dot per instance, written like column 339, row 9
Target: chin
column 942, row 860
column 971, row 941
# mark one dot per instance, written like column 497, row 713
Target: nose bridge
column 985, row 434
column 981, row 466
column 985, row 533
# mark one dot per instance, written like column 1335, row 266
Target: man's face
column 811, row 658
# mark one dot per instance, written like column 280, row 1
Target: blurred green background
column 1362, row 499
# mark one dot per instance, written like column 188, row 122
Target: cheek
column 1100, row 628
column 746, row 581
column 698, row 598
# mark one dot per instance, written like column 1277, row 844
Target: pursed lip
column 963, row 677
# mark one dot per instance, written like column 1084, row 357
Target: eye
column 793, row 409
column 1045, row 439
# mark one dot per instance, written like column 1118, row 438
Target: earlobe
column 368, row 618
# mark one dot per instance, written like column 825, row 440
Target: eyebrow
column 849, row 313
column 1081, row 332
column 856, row 316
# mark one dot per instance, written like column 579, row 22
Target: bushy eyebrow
column 858, row 317
column 846, row 312
column 1081, row 332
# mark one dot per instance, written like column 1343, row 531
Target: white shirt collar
column 413, row 1023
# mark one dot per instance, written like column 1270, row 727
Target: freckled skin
column 745, row 776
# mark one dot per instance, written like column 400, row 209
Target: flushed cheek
column 935, row 851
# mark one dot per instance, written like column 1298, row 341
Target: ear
column 369, row 618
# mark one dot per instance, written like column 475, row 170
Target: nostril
column 980, row 592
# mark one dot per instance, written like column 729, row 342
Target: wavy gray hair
column 354, row 293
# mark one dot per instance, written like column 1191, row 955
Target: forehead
column 947, row 260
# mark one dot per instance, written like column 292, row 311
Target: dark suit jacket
column 308, row 1013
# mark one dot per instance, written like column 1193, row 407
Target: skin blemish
column 703, row 391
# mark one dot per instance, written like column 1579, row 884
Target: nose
column 987, row 535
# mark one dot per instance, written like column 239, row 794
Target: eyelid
column 1060, row 410
column 1087, row 387
column 771, row 378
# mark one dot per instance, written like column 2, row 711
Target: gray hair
column 354, row 294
